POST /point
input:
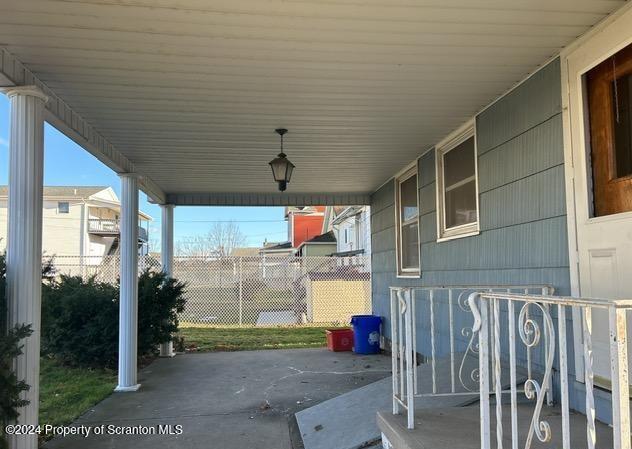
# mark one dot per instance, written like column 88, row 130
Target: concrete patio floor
column 227, row 400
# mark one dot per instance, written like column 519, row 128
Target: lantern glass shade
column 281, row 168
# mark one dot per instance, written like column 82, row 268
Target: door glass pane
column 622, row 99
column 410, row 246
column 408, row 198
column 609, row 113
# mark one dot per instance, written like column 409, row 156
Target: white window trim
column 465, row 132
column 409, row 171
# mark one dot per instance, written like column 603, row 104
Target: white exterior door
column 604, row 241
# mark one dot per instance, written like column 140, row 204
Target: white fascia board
column 66, row 120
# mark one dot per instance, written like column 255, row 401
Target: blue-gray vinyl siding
column 523, row 238
column 522, row 213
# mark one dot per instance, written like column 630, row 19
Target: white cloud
column 4, row 142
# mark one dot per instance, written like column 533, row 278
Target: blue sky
column 65, row 163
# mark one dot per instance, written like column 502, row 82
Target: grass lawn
column 66, row 393
column 252, row 338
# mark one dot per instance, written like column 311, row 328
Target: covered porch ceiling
column 188, row 93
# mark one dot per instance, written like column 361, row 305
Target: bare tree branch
column 219, row 241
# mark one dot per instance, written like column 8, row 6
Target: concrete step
column 459, row 428
column 349, row 420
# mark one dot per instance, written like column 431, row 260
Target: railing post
column 512, row 373
column 433, row 354
column 619, row 376
column 414, row 325
column 591, row 434
column 483, row 370
column 410, row 394
column 497, row 374
column 241, row 293
column 561, row 324
column 394, row 349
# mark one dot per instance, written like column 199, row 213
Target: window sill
column 408, row 275
column 460, row 235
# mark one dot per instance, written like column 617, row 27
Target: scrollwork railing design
column 542, row 335
column 530, row 334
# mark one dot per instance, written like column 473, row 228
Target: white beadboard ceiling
column 190, row 91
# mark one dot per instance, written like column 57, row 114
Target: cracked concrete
column 228, row 400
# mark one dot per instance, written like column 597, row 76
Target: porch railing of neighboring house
column 111, row 226
column 437, row 321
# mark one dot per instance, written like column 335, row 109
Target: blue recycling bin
column 366, row 334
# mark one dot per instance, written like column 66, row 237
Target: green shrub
column 10, row 385
column 80, row 318
column 160, row 299
column 80, row 321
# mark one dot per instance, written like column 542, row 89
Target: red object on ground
column 339, row 339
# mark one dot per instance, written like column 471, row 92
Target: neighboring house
column 352, row 228
column 277, row 249
column 245, row 252
column 79, row 221
column 320, row 245
column 304, row 223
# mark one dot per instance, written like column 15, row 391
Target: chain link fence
column 258, row 290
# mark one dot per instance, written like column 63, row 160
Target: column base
column 167, row 356
column 120, row 389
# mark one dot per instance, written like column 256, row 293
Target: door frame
column 601, row 42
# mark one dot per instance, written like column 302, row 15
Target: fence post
column 241, row 293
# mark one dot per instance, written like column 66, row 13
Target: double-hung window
column 457, row 189
column 407, row 224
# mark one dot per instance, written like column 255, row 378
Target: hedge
column 80, row 318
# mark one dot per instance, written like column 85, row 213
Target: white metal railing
column 440, row 319
column 535, row 321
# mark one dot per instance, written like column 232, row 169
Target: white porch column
column 128, row 313
column 166, row 259
column 24, row 241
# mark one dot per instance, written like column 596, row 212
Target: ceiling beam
column 66, row 120
column 268, row 199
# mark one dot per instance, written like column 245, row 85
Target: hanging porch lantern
column 281, row 166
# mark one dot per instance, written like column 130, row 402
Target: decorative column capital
column 129, row 175
column 30, row 91
column 167, row 206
